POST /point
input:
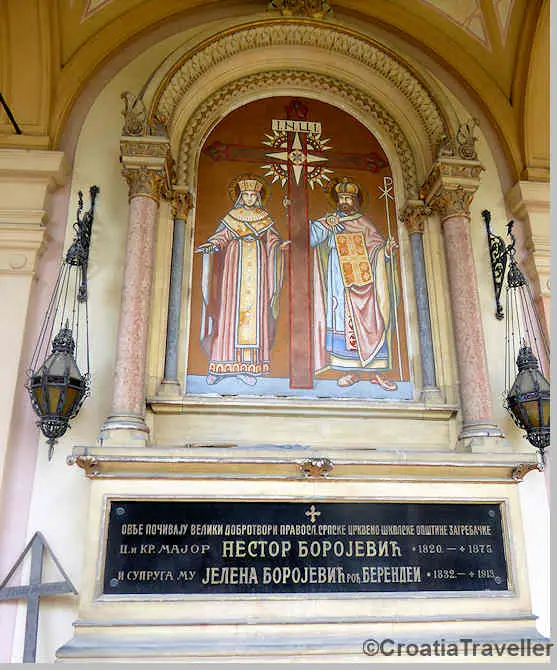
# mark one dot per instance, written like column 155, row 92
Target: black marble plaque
column 229, row 547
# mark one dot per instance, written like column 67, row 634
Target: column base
column 481, row 437
column 124, row 430
column 431, row 395
column 169, row 388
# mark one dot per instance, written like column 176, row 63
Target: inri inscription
column 186, row 547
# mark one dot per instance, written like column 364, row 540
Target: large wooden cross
column 297, row 159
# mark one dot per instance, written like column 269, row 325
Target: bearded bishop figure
column 353, row 301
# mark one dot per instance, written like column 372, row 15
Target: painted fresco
column 296, row 285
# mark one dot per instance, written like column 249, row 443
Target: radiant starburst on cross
column 278, row 169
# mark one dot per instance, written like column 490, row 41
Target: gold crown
column 346, row 186
column 250, row 185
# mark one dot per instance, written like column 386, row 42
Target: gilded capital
column 181, row 202
column 413, row 216
column 450, row 186
column 144, row 181
column 452, row 201
column 147, row 166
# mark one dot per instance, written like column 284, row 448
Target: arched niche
column 190, row 93
column 286, row 333
column 297, row 57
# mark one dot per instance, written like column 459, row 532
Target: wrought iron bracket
column 498, row 257
column 78, row 253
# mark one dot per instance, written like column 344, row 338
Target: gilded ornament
column 316, row 467
column 413, row 217
column 182, row 203
column 87, row 463
column 315, row 9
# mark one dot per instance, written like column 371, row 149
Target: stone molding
column 216, row 106
column 334, row 39
column 26, row 178
column 530, row 202
column 20, row 247
column 413, row 216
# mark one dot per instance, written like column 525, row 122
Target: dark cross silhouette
column 297, row 159
column 34, row 590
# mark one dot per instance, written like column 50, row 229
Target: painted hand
column 390, row 246
column 206, row 248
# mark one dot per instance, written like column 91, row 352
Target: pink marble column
column 451, row 200
column 126, row 422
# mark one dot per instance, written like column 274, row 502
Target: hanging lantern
column 527, row 393
column 60, row 383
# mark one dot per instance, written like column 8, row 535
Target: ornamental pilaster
column 529, row 202
column 449, row 190
column 413, row 216
column 147, row 166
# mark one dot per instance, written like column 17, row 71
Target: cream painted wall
column 60, row 496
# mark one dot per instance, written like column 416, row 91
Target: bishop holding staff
column 353, row 301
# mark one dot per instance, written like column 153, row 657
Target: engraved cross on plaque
column 34, row 590
column 312, row 514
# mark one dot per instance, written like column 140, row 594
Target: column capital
column 413, row 216
column 147, row 165
column 181, row 202
column 451, row 185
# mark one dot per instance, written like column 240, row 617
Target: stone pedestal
column 274, row 626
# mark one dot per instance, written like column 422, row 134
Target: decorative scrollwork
column 498, row 256
column 523, row 469
column 316, row 467
column 466, row 141
column 78, row 253
column 135, row 115
column 315, row 9
column 87, row 463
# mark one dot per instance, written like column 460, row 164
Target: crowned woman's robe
column 352, row 298
column 241, row 285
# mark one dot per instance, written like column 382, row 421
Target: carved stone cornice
column 182, row 203
column 297, row 32
column 450, row 186
column 147, row 166
column 21, row 244
column 217, row 105
column 413, row 216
